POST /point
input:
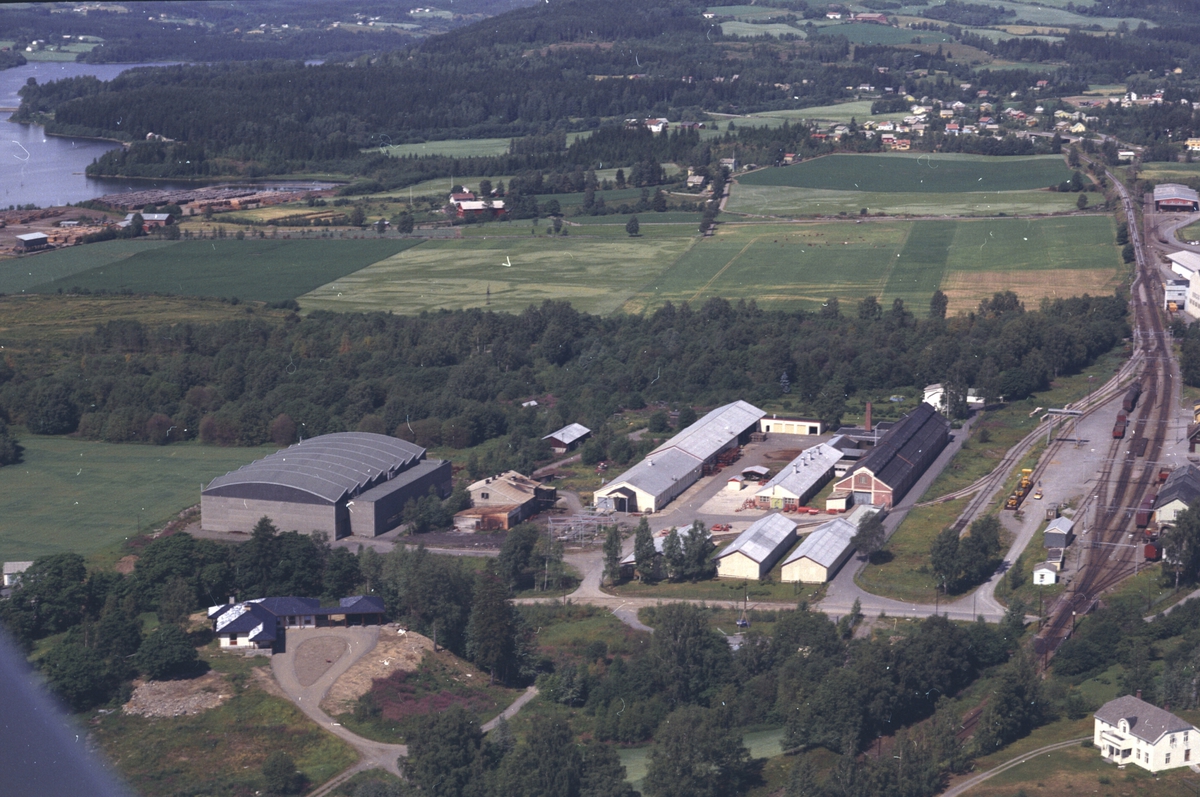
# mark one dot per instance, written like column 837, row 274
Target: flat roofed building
column 821, row 554
column 1059, row 533
column 676, row 465
column 1173, row 196
column 568, row 437
column 1175, row 292
column 894, row 465
column 801, row 478
column 1179, row 491
column 1130, row 730
column 317, row 484
column 777, row 425
column 757, row 549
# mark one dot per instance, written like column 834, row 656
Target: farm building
column 801, row 478
column 1130, row 728
column 1179, row 491
column 568, row 437
column 779, row 425
column 13, row 571
column 257, row 624
column 679, row 462
column 1059, row 533
column 503, row 501
column 1173, row 196
column 821, row 554
column 33, row 241
column 757, row 549
column 340, row 484
column 1045, row 573
column 893, row 466
column 479, row 208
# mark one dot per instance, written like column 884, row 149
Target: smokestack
column 1139, row 694
column 868, row 423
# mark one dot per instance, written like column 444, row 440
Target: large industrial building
column 678, row 463
column 341, row 484
column 891, row 468
column 801, row 478
column 1173, row 196
column 757, row 549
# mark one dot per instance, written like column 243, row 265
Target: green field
column 455, row 148
column 870, row 33
column 842, row 112
column 916, row 173
column 747, row 12
column 785, row 202
column 21, row 274
column 74, row 495
column 596, row 274
column 751, row 30
column 801, row 265
column 254, row 269
column 600, row 269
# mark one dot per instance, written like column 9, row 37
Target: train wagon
column 1145, row 511
column 1131, row 396
column 1119, row 429
column 1152, row 551
column 1139, row 446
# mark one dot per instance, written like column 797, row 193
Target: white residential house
column 1130, row 730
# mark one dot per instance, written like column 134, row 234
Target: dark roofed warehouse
column 890, row 469
column 341, row 484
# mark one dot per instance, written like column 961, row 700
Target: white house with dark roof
column 757, row 549
column 1130, row 730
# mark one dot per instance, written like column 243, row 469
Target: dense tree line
column 456, row 378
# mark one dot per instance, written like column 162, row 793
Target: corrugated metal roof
column 657, row 472
column 1146, row 721
column 762, row 539
column 1189, row 260
column 33, row 236
column 860, row 512
column 1182, row 485
column 710, row 434
column 802, row 473
column 329, row 467
column 826, row 543
column 1174, row 191
column 906, row 446
column 1062, row 525
column 569, row 433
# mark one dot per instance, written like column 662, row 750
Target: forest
column 457, row 378
column 534, row 74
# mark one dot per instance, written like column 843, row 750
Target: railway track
column 1108, row 557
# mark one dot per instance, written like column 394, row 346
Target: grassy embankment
column 220, row 750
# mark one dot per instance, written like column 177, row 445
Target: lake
column 48, row 170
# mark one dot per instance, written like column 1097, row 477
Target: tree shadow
column 881, row 557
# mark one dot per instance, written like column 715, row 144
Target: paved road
column 967, row 785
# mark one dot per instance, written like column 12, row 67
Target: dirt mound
column 175, row 698
column 126, row 564
column 396, row 650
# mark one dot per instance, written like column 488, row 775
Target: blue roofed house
column 259, row 624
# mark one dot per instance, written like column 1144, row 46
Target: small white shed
column 1045, row 573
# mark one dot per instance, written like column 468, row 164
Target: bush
column 166, row 653
column 281, row 774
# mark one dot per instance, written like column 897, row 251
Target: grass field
column 751, row 30
column 785, row 202
column 254, row 269
column 916, row 173
column 455, row 148
column 842, row 112
column 905, row 573
column 23, row 273
column 596, row 274
column 790, row 265
column 74, row 495
column 870, row 33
